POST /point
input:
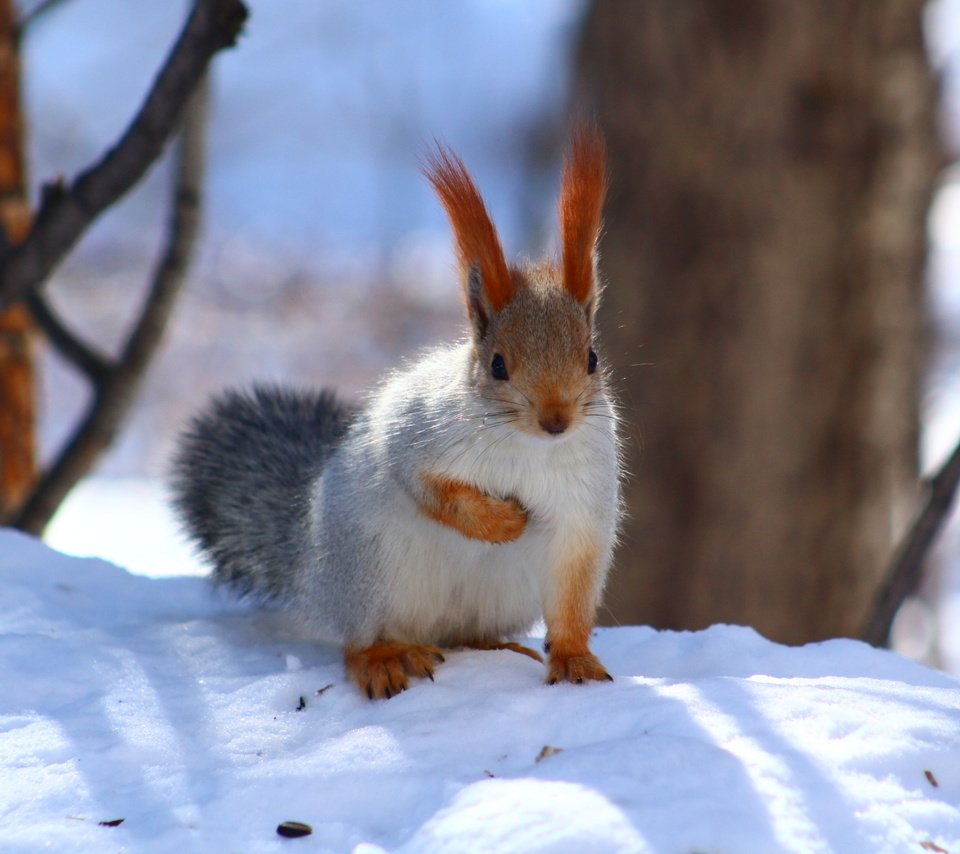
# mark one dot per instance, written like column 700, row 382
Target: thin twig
column 80, row 354
column 115, row 392
column 906, row 570
column 35, row 14
column 66, row 211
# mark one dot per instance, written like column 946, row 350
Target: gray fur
column 477, row 306
column 242, row 483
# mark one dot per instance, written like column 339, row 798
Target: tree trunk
column 772, row 166
column 17, row 332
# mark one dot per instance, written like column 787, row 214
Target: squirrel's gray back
column 242, row 479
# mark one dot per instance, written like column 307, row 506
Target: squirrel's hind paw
column 384, row 669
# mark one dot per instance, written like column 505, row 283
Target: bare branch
column 35, row 14
column 66, row 211
column 906, row 570
column 115, row 392
column 75, row 351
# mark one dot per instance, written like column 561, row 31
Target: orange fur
column 473, row 513
column 570, row 622
column 582, row 191
column 513, row 647
column 476, row 238
column 384, row 669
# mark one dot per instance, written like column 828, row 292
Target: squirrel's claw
column 579, row 668
column 384, row 669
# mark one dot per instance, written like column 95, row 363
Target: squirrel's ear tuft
column 478, row 247
column 582, row 191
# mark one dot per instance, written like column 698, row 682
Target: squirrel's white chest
column 447, row 590
column 570, row 490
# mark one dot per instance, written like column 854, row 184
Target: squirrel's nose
column 555, row 423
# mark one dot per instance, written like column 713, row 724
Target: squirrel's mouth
column 554, row 424
column 534, row 432
column 554, row 419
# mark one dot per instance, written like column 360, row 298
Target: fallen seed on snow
column 294, row 829
column 547, row 751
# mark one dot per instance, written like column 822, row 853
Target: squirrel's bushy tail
column 242, row 479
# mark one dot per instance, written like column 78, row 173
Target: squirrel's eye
column 591, row 362
column 499, row 368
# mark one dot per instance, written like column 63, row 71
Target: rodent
column 474, row 490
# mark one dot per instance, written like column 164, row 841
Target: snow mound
column 203, row 725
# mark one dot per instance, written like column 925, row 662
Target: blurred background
column 324, row 257
column 782, row 250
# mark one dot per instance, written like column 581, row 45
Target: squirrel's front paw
column 575, row 668
column 384, row 669
column 503, row 520
column 470, row 511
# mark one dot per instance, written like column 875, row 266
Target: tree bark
column 17, row 331
column 772, row 166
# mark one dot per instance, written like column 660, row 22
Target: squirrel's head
column 533, row 325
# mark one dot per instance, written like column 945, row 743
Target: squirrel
column 475, row 491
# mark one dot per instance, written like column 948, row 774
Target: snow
column 161, row 702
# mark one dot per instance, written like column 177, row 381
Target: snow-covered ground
column 160, row 703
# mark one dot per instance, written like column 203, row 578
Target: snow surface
column 160, row 703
